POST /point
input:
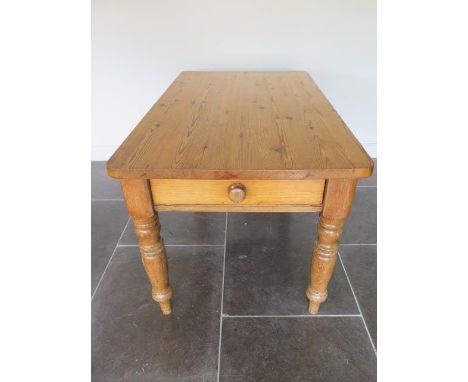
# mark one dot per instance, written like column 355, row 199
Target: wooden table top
column 241, row 125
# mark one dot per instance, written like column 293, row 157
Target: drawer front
column 237, row 192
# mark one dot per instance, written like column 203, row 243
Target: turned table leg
column 145, row 219
column 337, row 202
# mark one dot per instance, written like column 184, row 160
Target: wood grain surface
column 241, row 125
column 153, row 254
column 339, row 194
column 238, row 208
column 257, row 192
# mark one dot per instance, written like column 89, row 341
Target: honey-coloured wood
column 140, row 208
column 240, row 142
column 256, row 192
column 237, row 208
column 241, row 125
column 337, row 203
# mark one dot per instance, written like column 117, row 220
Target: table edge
column 354, row 173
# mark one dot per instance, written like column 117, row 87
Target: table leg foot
column 315, row 299
column 313, row 307
column 166, row 307
column 164, row 300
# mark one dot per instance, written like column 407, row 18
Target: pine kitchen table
column 240, row 142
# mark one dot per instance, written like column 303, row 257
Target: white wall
column 139, row 47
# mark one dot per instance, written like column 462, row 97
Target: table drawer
column 172, row 192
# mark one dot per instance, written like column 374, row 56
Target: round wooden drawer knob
column 237, row 192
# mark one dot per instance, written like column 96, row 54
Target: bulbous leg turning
column 147, row 229
column 323, row 262
column 336, row 207
column 153, row 255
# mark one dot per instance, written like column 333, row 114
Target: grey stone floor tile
column 133, row 341
column 192, row 228
column 360, row 262
column 108, row 219
column 296, row 349
column 268, row 267
column 361, row 226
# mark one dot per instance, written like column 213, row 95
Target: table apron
column 260, row 195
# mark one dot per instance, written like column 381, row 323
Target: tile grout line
column 222, row 297
column 357, row 303
column 107, row 265
column 294, row 316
